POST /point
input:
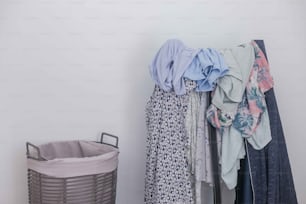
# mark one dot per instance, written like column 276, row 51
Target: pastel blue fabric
column 207, row 66
column 170, row 63
column 174, row 62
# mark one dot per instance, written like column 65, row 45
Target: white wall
column 70, row 69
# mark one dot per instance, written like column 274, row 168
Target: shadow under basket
column 73, row 172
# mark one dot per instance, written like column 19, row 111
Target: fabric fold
column 230, row 88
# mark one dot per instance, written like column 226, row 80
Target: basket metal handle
column 109, row 135
column 39, row 157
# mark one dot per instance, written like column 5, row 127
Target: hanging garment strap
column 214, row 159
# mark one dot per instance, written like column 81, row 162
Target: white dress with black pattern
column 167, row 178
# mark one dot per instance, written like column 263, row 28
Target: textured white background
column 73, row 68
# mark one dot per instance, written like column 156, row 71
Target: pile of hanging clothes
column 232, row 90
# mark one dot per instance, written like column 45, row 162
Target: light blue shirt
column 207, row 66
column 174, row 62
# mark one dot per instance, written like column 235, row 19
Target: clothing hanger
column 214, row 159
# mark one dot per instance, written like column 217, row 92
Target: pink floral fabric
column 253, row 102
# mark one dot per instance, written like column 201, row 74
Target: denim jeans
column 270, row 167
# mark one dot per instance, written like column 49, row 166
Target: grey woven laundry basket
column 73, row 172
